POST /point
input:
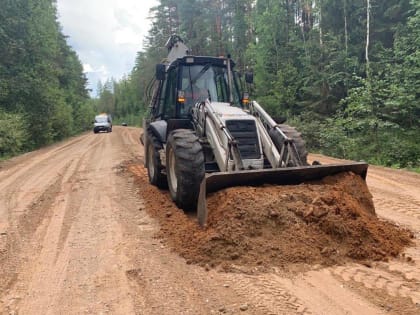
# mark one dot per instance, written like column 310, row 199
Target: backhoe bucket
column 282, row 176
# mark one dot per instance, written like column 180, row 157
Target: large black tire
column 184, row 168
column 292, row 133
column 153, row 163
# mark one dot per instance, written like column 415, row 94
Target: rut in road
column 29, row 192
column 58, row 239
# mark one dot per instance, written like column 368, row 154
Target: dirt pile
column 325, row 222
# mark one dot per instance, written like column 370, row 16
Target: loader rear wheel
column 184, row 168
column 154, row 165
column 292, row 133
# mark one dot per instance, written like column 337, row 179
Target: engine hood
column 226, row 112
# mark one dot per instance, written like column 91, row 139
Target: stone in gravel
column 244, row 307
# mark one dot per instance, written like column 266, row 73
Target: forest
column 43, row 95
column 345, row 73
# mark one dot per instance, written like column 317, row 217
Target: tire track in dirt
column 323, row 294
column 22, row 239
column 395, row 284
column 75, row 186
column 396, row 197
column 129, row 137
column 32, row 272
column 26, row 200
column 32, row 218
column 152, row 277
column 408, row 264
column 392, row 195
column 405, row 205
column 267, row 294
column 26, row 163
column 96, row 247
column 28, row 221
column 71, row 257
column 22, row 182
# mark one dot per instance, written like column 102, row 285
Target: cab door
column 167, row 104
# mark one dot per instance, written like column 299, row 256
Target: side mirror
column 249, row 77
column 160, row 72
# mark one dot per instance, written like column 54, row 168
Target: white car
column 103, row 122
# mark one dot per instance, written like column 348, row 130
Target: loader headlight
column 245, row 98
column 181, row 97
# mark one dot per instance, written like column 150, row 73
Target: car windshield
column 101, row 119
column 208, row 81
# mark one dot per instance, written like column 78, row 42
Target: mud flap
column 283, row 176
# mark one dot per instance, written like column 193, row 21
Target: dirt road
column 75, row 238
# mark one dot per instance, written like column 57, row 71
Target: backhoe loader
column 203, row 133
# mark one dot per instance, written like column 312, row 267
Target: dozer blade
column 282, row 176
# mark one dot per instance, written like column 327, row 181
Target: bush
column 13, row 134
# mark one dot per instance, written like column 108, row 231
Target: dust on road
column 80, row 234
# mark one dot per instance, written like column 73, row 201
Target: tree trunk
column 368, row 9
column 346, row 34
column 320, row 24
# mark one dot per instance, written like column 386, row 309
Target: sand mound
column 325, row 222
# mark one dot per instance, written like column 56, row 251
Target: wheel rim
column 150, row 164
column 173, row 182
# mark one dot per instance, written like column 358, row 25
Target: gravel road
column 75, row 238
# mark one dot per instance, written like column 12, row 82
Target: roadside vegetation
column 346, row 73
column 43, row 96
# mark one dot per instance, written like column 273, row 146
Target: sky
column 106, row 34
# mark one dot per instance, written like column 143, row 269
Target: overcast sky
column 106, row 34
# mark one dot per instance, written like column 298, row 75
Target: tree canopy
column 43, row 96
column 345, row 72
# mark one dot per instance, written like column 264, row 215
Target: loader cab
column 193, row 79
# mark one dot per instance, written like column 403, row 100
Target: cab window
column 169, row 101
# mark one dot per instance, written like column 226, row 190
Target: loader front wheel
column 154, row 166
column 184, row 168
